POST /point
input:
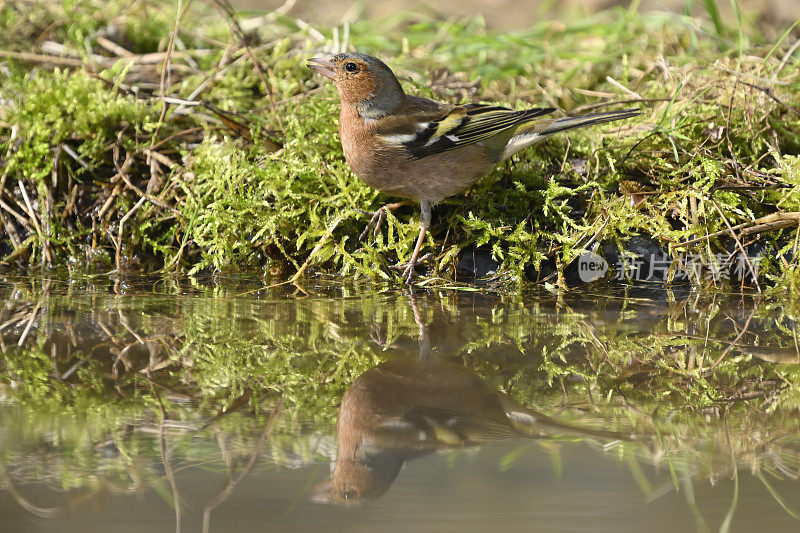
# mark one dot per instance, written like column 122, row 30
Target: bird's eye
column 349, row 494
column 350, row 66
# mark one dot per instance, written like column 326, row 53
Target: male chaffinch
column 410, row 407
column 422, row 150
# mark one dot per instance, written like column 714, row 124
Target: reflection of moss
column 226, row 197
column 219, row 363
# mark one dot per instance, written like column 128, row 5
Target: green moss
column 62, row 107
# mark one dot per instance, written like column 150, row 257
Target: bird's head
column 363, row 81
column 357, row 479
column 350, row 484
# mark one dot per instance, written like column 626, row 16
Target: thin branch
column 736, row 340
column 162, row 445
column 738, row 244
column 121, row 227
column 228, row 490
column 180, row 11
column 224, row 7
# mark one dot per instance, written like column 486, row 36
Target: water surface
column 599, row 410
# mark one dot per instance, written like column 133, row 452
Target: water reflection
column 189, row 402
column 407, row 408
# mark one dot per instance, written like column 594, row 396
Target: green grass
column 719, row 136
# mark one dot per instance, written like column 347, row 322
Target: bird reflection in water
column 411, row 407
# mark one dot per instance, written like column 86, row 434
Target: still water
column 178, row 406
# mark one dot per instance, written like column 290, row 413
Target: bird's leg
column 408, row 271
column 378, row 216
column 424, row 339
column 424, row 222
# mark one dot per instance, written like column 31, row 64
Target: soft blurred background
column 771, row 15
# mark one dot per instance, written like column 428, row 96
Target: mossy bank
column 129, row 147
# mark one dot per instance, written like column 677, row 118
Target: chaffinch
column 422, row 150
column 408, row 408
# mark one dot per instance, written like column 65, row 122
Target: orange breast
column 358, row 142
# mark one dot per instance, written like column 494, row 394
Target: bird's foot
column 408, row 268
column 378, row 217
column 376, row 221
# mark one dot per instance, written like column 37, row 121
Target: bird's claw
column 378, row 217
column 376, row 220
column 408, row 268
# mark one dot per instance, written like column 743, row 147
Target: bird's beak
column 321, row 492
column 322, row 66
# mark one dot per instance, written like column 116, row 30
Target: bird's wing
column 429, row 133
column 426, row 426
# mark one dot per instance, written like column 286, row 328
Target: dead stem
column 31, row 319
column 738, row 244
column 32, row 215
column 734, row 342
column 162, row 445
column 179, row 13
column 224, row 7
column 121, row 228
column 231, row 486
